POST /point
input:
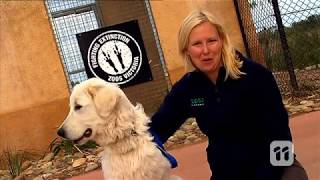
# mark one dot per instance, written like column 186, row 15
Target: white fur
column 120, row 128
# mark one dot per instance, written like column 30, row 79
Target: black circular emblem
column 115, row 56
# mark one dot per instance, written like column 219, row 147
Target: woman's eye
column 196, row 44
column 77, row 107
column 212, row 40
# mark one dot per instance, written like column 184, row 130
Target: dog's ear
column 105, row 98
column 92, row 90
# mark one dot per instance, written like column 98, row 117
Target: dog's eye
column 77, row 107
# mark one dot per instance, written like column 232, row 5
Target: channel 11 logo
column 281, row 153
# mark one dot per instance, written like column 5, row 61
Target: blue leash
column 170, row 158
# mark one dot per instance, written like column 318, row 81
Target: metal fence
column 69, row 18
column 286, row 35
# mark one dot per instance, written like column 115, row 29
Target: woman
column 235, row 101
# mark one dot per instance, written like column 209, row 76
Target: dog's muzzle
column 87, row 133
column 61, row 133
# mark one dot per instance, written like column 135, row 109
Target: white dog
column 100, row 111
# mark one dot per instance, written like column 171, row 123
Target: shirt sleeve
column 275, row 118
column 172, row 113
column 275, row 123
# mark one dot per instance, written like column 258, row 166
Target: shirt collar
column 221, row 74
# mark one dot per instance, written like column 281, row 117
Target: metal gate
column 285, row 35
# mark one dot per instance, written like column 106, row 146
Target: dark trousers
column 295, row 172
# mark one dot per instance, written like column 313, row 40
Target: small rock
column 78, row 155
column 49, row 157
column 192, row 137
column 29, row 172
column 20, row 177
column 79, row 162
column 91, row 166
column 194, row 123
column 69, row 168
column 58, row 164
column 285, row 101
column 190, row 121
column 37, row 171
column 169, row 143
column 308, row 109
column 171, row 138
column 197, row 140
column 316, row 108
column 25, row 165
column 316, row 105
column 311, row 96
column 307, row 103
column 53, row 171
column 41, row 161
column 68, row 159
column 180, row 134
column 5, row 177
column 38, row 178
column 46, row 165
column 293, row 113
column 45, row 176
column 4, row 173
column 188, row 127
column 91, row 158
column 293, row 110
column 298, row 108
column 311, row 67
column 187, row 142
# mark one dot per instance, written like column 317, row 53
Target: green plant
column 61, row 144
column 13, row 161
column 303, row 40
column 89, row 145
column 68, row 147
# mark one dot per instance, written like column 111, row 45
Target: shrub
column 12, row 160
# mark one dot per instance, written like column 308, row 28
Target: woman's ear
column 186, row 52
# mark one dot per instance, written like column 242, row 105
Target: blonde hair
column 231, row 64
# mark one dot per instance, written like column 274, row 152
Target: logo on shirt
column 194, row 102
column 281, row 153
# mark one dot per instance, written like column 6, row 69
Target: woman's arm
column 172, row 113
column 274, row 120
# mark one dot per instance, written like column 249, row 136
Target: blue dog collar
column 170, row 158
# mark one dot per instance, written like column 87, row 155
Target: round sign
column 115, row 57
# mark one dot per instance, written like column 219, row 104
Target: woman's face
column 205, row 47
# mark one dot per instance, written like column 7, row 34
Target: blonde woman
column 235, row 101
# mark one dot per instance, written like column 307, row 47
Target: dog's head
column 94, row 112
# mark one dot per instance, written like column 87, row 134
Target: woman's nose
column 205, row 48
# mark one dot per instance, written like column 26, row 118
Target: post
column 285, row 47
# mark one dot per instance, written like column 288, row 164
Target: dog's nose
column 61, row 132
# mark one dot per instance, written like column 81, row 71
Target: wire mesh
column 58, row 5
column 301, row 22
column 69, row 18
